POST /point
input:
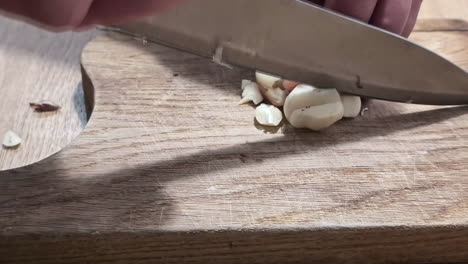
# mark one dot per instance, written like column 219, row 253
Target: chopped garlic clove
column 267, row 81
column 313, row 108
column 11, row 140
column 317, row 118
column 251, row 93
column 305, row 96
column 352, row 105
column 272, row 88
column 268, row 115
column 276, row 96
column 245, row 83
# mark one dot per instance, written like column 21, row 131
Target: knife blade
column 306, row 43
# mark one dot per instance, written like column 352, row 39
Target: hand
column 397, row 16
column 77, row 14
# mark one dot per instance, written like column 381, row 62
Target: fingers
column 118, row 11
column 71, row 14
column 413, row 16
column 59, row 14
column 359, row 9
column 391, row 15
column 398, row 16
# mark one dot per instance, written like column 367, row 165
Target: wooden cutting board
column 171, row 169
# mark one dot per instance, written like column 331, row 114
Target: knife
column 306, row 43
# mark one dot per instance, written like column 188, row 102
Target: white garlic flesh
column 272, row 88
column 245, row 83
column 317, row 118
column 11, row 140
column 313, row 108
column 250, row 93
column 268, row 115
column 352, row 105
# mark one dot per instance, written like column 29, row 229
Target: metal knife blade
column 303, row 42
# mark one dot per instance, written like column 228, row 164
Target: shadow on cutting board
column 125, row 197
column 84, row 216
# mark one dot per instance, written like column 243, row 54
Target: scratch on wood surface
column 161, row 216
column 358, row 203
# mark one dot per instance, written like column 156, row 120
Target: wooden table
column 162, row 173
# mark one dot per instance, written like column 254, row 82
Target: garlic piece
column 250, row 93
column 313, row 108
column 267, row 81
column 305, row 95
column 317, row 117
column 11, row 140
column 245, row 83
column 352, row 105
column 272, row 88
column 268, row 115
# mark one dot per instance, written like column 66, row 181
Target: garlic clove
column 11, row 140
column 267, row 81
column 251, row 93
column 273, row 88
column 276, row 96
column 352, row 105
column 268, row 115
column 306, row 96
column 317, row 118
column 245, row 83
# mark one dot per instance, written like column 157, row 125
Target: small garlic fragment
column 352, row 105
column 268, row 115
column 273, row 88
column 364, row 111
column 313, row 108
column 250, row 93
column 267, row 81
column 317, row 117
column 245, row 83
column 11, row 140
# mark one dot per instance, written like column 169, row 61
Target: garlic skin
column 313, row 108
column 272, row 88
column 11, row 140
column 352, row 105
column 268, row 115
column 250, row 93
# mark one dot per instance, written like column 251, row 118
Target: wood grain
column 171, row 169
column 357, row 245
column 37, row 65
column 443, row 9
